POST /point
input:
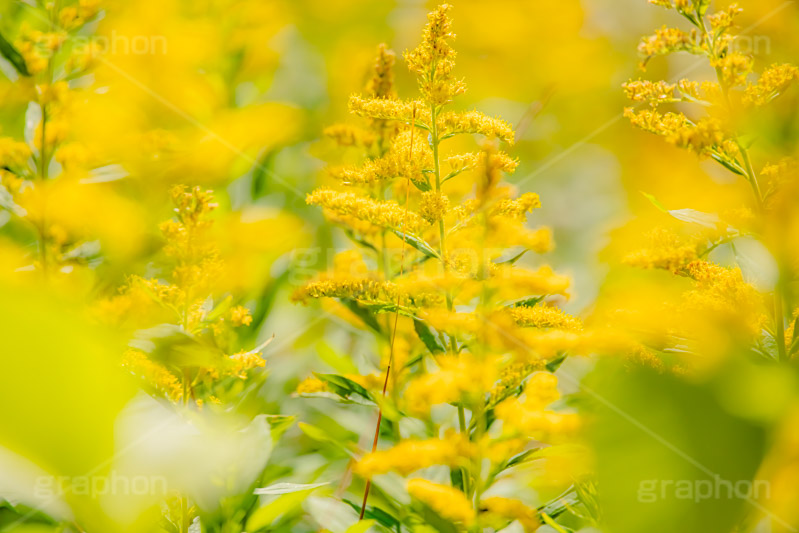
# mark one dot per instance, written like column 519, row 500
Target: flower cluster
column 188, row 350
column 437, row 275
column 719, row 298
column 44, row 179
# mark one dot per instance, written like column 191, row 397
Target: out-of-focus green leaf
column 344, row 387
column 376, row 513
column 278, row 424
column 320, row 435
column 286, row 488
column 427, row 337
column 435, row 520
column 286, row 504
column 171, row 345
column 692, row 216
column 666, row 450
column 418, row 243
column 13, row 56
column 62, row 388
column 364, row 314
column 341, row 363
column 654, row 201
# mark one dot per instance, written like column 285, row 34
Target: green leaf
column 435, row 520
column 278, row 424
column 357, row 240
column 513, row 259
column 364, row 314
column 559, row 505
column 554, row 525
column 341, row 363
column 220, row 309
column 656, row 437
column 423, row 185
column 171, row 345
column 655, row 202
column 284, row 505
column 13, row 56
column 286, row 488
column 519, row 458
column 427, row 337
column 390, row 308
column 413, row 360
column 344, row 387
column 692, row 216
column 729, row 165
column 555, row 363
column 795, row 341
column 456, row 478
column 528, row 302
column 320, row 435
column 417, row 243
column 376, row 513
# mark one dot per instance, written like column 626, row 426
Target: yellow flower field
column 399, row 267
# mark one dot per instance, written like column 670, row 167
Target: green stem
column 465, row 477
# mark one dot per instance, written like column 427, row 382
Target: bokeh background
column 233, row 95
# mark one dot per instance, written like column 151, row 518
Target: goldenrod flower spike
column 473, row 328
column 721, row 295
column 180, row 300
column 433, row 60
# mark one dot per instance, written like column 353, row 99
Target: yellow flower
column 348, row 287
column 476, row 122
column 89, row 8
column 771, row 84
column 311, row 386
column 734, row 67
column 241, row 362
column 240, row 316
column 73, row 156
column 346, row 135
column 544, row 316
column 388, row 213
column 664, row 124
column 649, row 91
column 723, row 20
column 514, row 283
column 668, row 40
column 446, row 501
column 433, row 206
column 458, row 378
column 401, row 161
column 724, row 292
column 14, row 154
column 433, row 60
column 154, row 374
column 512, row 510
column 517, row 209
column 411, row 455
column 381, row 85
column 390, row 109
column 665, row 250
